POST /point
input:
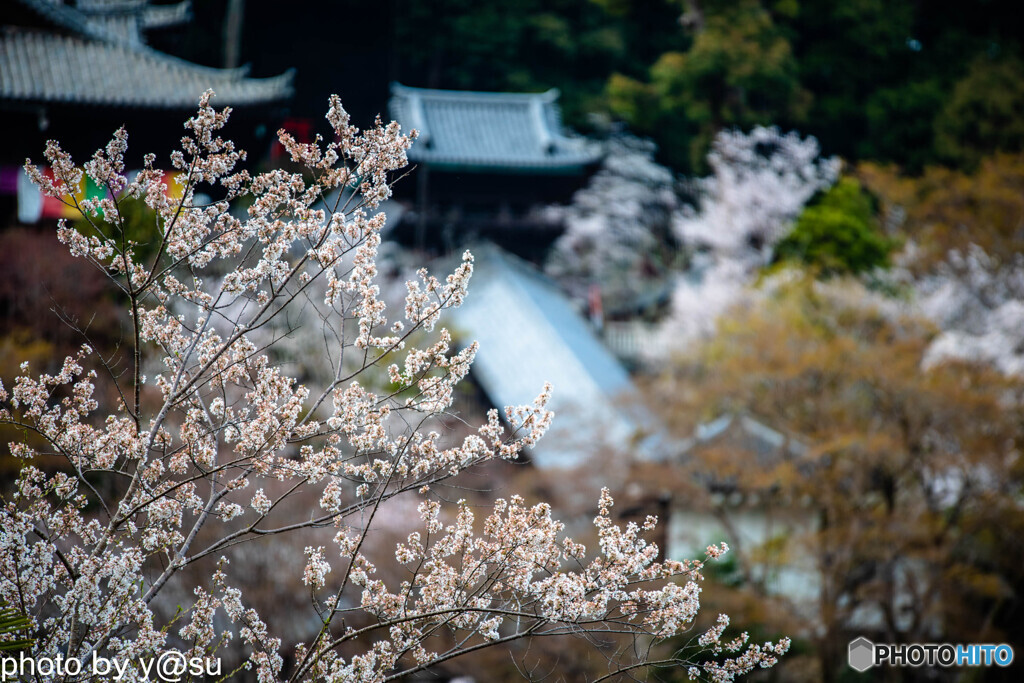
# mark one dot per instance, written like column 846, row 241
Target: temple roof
column 97, row 55
column 486, row 131
column 119, row 20
column 756, row 437
column 530, row 333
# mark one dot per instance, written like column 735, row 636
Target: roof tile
column 97, row 55
column 484, row 131
column 45, row 67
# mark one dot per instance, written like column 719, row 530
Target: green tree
column 846, row 51
column 900, row 123
column 984, row 114
column 529, row 45
column 837, row 234
column 739, row 71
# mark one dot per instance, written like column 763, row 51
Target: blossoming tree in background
column 759, row 183
column 618, row 231
column 963, row 256
column 212, row 450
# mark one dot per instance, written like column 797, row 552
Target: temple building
column 75, row 71
column 530, row 333
column 486, row 165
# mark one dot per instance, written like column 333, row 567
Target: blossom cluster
column 978, row 302
column 618, row 228
column 624, row 230
column 759, row 183
column 210, row 439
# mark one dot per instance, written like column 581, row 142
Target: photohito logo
column 863, row 654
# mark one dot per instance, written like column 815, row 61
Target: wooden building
column 530, row 333
column 486, row 165
column 75, row 71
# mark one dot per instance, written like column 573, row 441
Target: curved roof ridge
column 120, row 74
column 234, row 73
column 467, row 130
column 70, row 18
column 86, row 19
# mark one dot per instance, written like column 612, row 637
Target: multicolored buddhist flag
column 33, row 205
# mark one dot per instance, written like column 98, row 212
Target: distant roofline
column 549, row 153
column 83, row 32
column 77, row 19
column 70, row 18
column 708, row 432
column 225, row 82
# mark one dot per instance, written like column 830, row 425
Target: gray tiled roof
column 488, row 131
column 97, row 56
column 529, row 333
column 66, row 17
column 763, row 442
column 120, row 20
column 45, row 67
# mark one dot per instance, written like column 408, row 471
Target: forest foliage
column 904, row 82
column 837, row 234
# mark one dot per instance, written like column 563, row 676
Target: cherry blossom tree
column 759, row 183
column 963, row 259
column 978, row 302
column 618, row 231
column 210, row 443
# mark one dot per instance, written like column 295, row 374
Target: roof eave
column 548, row 96
column 166, row 16
column 68, row 18
column 505, row 169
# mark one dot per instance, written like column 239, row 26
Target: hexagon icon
column 862, row 654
